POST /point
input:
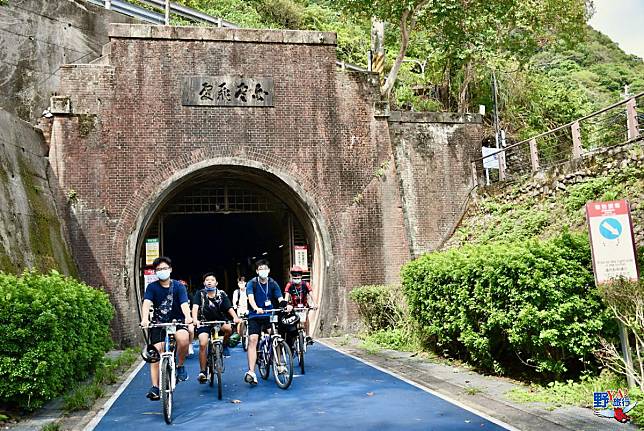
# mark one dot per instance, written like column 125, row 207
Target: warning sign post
column 613, row 249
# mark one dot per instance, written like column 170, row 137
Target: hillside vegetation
column 562, row 78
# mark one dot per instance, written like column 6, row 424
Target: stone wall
column 43, row 36
column 31, row 234
column 596, row 164
column 432, row 154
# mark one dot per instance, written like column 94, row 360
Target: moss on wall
column 86, row 124
column 44, row 226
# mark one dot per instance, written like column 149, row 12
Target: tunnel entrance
column 222, row 221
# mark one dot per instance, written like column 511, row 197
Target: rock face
column 43, row 36
column 31, row 232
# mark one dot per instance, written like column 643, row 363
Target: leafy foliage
column 55, row 331
column 505, row 304
column 379, row 306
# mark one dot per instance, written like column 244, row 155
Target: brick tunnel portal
column 222, row 219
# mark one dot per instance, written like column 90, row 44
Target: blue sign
column 610, row 228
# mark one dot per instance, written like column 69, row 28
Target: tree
column 467, row 34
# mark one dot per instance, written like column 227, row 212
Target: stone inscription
column 229, row 90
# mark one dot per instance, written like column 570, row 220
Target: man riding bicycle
column 170, row 301
column 262, row 292
column 210, row 304
column 300, row 294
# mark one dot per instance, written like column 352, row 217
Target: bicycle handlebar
column 214, row 322
column 164, row 325
column 304, row 308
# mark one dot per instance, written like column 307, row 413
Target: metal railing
column 146, row 15
column 618, row 123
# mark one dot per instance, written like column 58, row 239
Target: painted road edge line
column 108, row 405
column 430, row 391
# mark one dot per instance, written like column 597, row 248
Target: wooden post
column 167, row 12
column 501, row 165
column 576, row 140
column 631, row 119
column 534, row 155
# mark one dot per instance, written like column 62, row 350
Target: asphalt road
column 337, row 392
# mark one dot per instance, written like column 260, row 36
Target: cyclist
column 211, row 303
column 240, row 301
column 170, row 301
column 300, row 294
column 262, row 293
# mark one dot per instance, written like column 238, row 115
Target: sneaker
column 182, row 374
column 226, row 352
column 309, row 341
column 250, row 378
column 153, row 394
column 191, row 350
column 203, row 376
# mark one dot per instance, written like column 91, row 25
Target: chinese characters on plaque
column 230, row 90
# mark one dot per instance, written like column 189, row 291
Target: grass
column 83, row 396
column 52, row 426
column 578, row 393
column 473, row 390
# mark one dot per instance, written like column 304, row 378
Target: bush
column 55, row 331
column 503, row 304
column 380, row 307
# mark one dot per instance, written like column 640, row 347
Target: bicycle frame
column 168, row 358
column 215, row 357
column 268, row 347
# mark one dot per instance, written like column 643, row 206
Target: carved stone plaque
column 227, row 90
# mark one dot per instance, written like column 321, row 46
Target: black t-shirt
column 215, row 308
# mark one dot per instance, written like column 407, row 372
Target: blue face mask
column 210, row 289
column 164, row 274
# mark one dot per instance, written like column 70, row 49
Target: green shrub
column 380, row 307
column 55, row 331
column 526, row 307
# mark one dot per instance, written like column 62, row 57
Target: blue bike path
column 337, row 392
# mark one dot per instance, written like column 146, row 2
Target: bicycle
column 167, row 366
column 273, row 351
column 299, row 344
column 215, row 355
column 244, row 331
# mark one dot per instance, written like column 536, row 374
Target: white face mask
column 164, row 274
column 241, row 284
column 263, row 273
column 297, row 280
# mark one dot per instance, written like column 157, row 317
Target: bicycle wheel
column 300, row 350
column 282, row 364
column 244, row 336
column 219, row 365
column 166, row 389
column 263, row 359
column 211, row 365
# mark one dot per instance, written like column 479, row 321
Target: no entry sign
column 611, row 239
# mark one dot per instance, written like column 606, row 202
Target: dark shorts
column 157, row 335
column 255, row 325
column 205, row 329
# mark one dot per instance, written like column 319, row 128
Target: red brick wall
column 129, row 133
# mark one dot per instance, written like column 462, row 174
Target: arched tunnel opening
column 223, row 219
